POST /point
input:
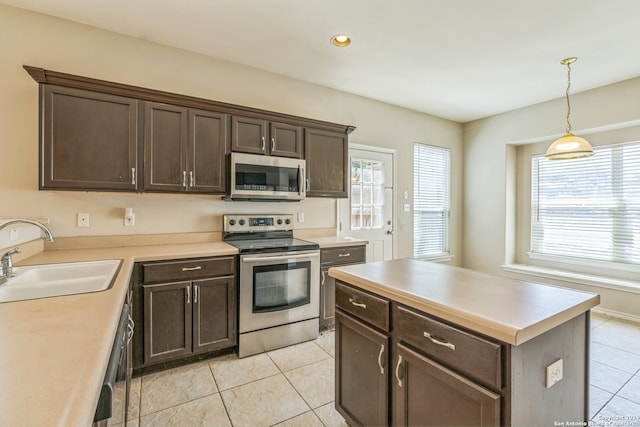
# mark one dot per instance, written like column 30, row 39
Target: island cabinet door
column 362, row 372
column 428, row 394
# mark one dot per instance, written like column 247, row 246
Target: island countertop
column 509, row 310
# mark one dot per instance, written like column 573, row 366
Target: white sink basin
column 50, row 280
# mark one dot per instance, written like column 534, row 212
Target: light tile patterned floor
column 294, row 386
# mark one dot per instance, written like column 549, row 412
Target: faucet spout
column 41, row 226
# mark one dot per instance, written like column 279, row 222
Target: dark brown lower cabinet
column 183, row 313
column 167, row 321
column 429, row 394
column 383, row 379
column 362, row 375
column 334, row 257
column 186, row 318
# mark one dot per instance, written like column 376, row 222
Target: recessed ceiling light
column 341, row 40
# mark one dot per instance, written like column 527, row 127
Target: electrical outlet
column 406, row 207
column 83, row 220
column 129, row 217
column 554, row 373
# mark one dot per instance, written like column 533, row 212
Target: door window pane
column 367, row 194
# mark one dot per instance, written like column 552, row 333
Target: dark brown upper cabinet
column 102, row 135
column 184, row 149
column 257, row 136
column 327, row 163
column 88, row 140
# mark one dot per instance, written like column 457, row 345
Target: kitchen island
column 428, row 343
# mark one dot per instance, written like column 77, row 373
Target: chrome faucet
column 42, row 227
column 6, row 263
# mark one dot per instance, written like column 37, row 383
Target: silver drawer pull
column 380, row 359
column 398, row 371
column 197, row 267
column 343, row 255
column 188, row 288
column 357, row 304
column 439, row 342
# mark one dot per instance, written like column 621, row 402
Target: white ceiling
column 457, row 59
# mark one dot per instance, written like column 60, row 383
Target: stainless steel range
column 279, row 278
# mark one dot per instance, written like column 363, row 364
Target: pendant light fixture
column 569, row 146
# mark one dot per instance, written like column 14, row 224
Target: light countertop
column 54, row 351
column 335, row 241
column 509, row 310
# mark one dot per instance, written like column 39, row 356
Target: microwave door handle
column 278, row 257
column 300, row 180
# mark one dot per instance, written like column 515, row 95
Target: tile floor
column 293, row 386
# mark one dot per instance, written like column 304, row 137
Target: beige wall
column 488, row 224
column 59, row 45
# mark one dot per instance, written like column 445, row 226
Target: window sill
column 583, row 279
column 436, row 258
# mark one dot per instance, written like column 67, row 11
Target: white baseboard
column 616, row 314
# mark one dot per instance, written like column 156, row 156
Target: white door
column 368, row 212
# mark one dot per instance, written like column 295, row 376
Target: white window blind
column 431, row 200
column 588, row 208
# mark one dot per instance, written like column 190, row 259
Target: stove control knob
column 242, row 222
column 287, row 221
column 232, row 222
column 279, row 221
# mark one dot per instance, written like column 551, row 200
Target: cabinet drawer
column 453, row 347
column 187, row 269
column 343, row 255
column 370, row 308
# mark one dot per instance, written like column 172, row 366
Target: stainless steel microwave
column 256, row 177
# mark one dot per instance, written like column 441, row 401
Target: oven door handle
column 278, row 257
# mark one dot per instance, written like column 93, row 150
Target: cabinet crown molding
column 43, row 76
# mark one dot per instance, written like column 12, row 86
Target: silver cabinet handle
column 273, row 144
column 322, row 283
column 130, row 328
column 188, row 294
column 133, row 176
column 398, row 371
column 344, row 255
column 380, row 359
column 307, row 187
column 197, row 267
column 195, row 294
column 435, row 340
column 191, row 182
column 357, row 304
column 262, row 146
column 184, row 178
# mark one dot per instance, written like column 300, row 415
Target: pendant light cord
column 567, row 94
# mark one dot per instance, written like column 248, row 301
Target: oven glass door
column 279, row 287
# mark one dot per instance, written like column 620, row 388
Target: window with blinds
column 431, row 200
column 588, row 208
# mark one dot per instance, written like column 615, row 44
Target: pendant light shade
column 569, row 146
